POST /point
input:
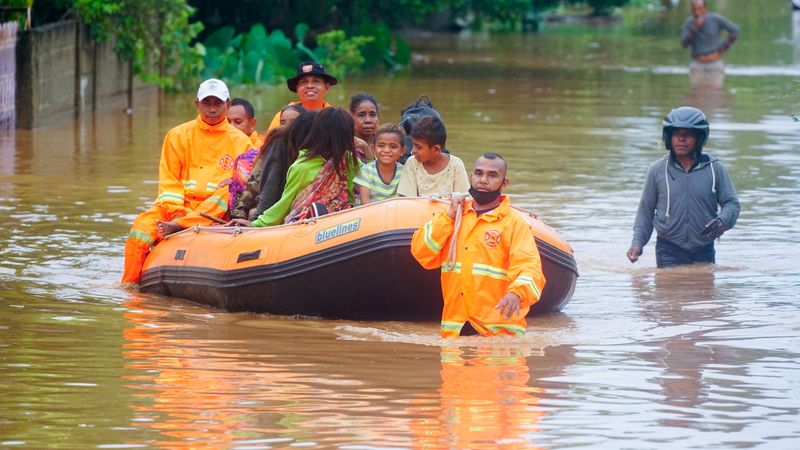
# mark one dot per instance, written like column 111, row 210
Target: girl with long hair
column 322, row 176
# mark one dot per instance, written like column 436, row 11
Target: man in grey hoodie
column 688, row 196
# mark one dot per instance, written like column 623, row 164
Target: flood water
column 694, row 357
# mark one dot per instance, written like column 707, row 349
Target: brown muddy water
column 696, row 357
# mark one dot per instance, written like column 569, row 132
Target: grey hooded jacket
column 679, row 204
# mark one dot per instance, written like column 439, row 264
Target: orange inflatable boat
column 354, row 264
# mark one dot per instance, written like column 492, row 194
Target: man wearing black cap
column 311, row 84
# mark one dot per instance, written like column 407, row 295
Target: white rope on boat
column 450, row 262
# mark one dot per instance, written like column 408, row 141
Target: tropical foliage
column 257, row 57
column 14, row 10
column 325, row 15
column 156, row 35
column 261, row 41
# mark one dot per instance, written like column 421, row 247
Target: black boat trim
column 388, row 240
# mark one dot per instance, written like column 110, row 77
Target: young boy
column 430, row 171
column 378, row 179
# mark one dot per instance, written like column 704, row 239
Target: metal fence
column 8, row 68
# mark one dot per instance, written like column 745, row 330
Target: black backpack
column 422, row 107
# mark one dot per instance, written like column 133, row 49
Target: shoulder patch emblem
column 226, row 162
column 492, row 238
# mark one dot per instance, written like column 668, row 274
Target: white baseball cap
column 213, row 88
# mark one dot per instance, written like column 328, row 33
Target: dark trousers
column 669, row 254
column 469, row 330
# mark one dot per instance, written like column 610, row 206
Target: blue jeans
column 669, row 254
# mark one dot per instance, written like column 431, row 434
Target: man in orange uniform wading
column 495, row 274
column 196, row 158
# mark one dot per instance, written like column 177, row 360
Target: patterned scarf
column 242, row 168
column 329, row 188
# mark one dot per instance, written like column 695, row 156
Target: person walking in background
column 688, row 196
column 703, row 32
column 491, row 269
column 196, row 158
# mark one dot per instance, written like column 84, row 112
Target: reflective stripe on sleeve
column 170, row 197
column 429, row 241
column 223, row 205
column 141, row 235
column 527, row 281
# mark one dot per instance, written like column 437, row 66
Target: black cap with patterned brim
column 309, row 68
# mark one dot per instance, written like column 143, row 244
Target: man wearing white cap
column 196, row 158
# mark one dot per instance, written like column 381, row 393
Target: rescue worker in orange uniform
column 495, row 274
column 311, row 84
column 196, row 158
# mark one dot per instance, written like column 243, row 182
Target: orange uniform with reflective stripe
column 195, row 160
column 495, row 254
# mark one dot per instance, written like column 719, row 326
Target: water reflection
column 796, row 35
column 194, row 381
column 7, row 158
column 655, row 359
column 485, row 401
column 710, row 98
column 238, row 385
column 707, row 76
column 686, row 311
column 489, row 396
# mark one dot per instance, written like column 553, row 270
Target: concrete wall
column 62, row 73
column 8, row 71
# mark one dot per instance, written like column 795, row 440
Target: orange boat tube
column 353, row 264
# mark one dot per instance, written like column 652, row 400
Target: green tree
column 7, row 14
column 348, row 15
column 258, row 57
column 602, row 7
column 156, row 35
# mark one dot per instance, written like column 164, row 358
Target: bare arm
column 363, row 194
